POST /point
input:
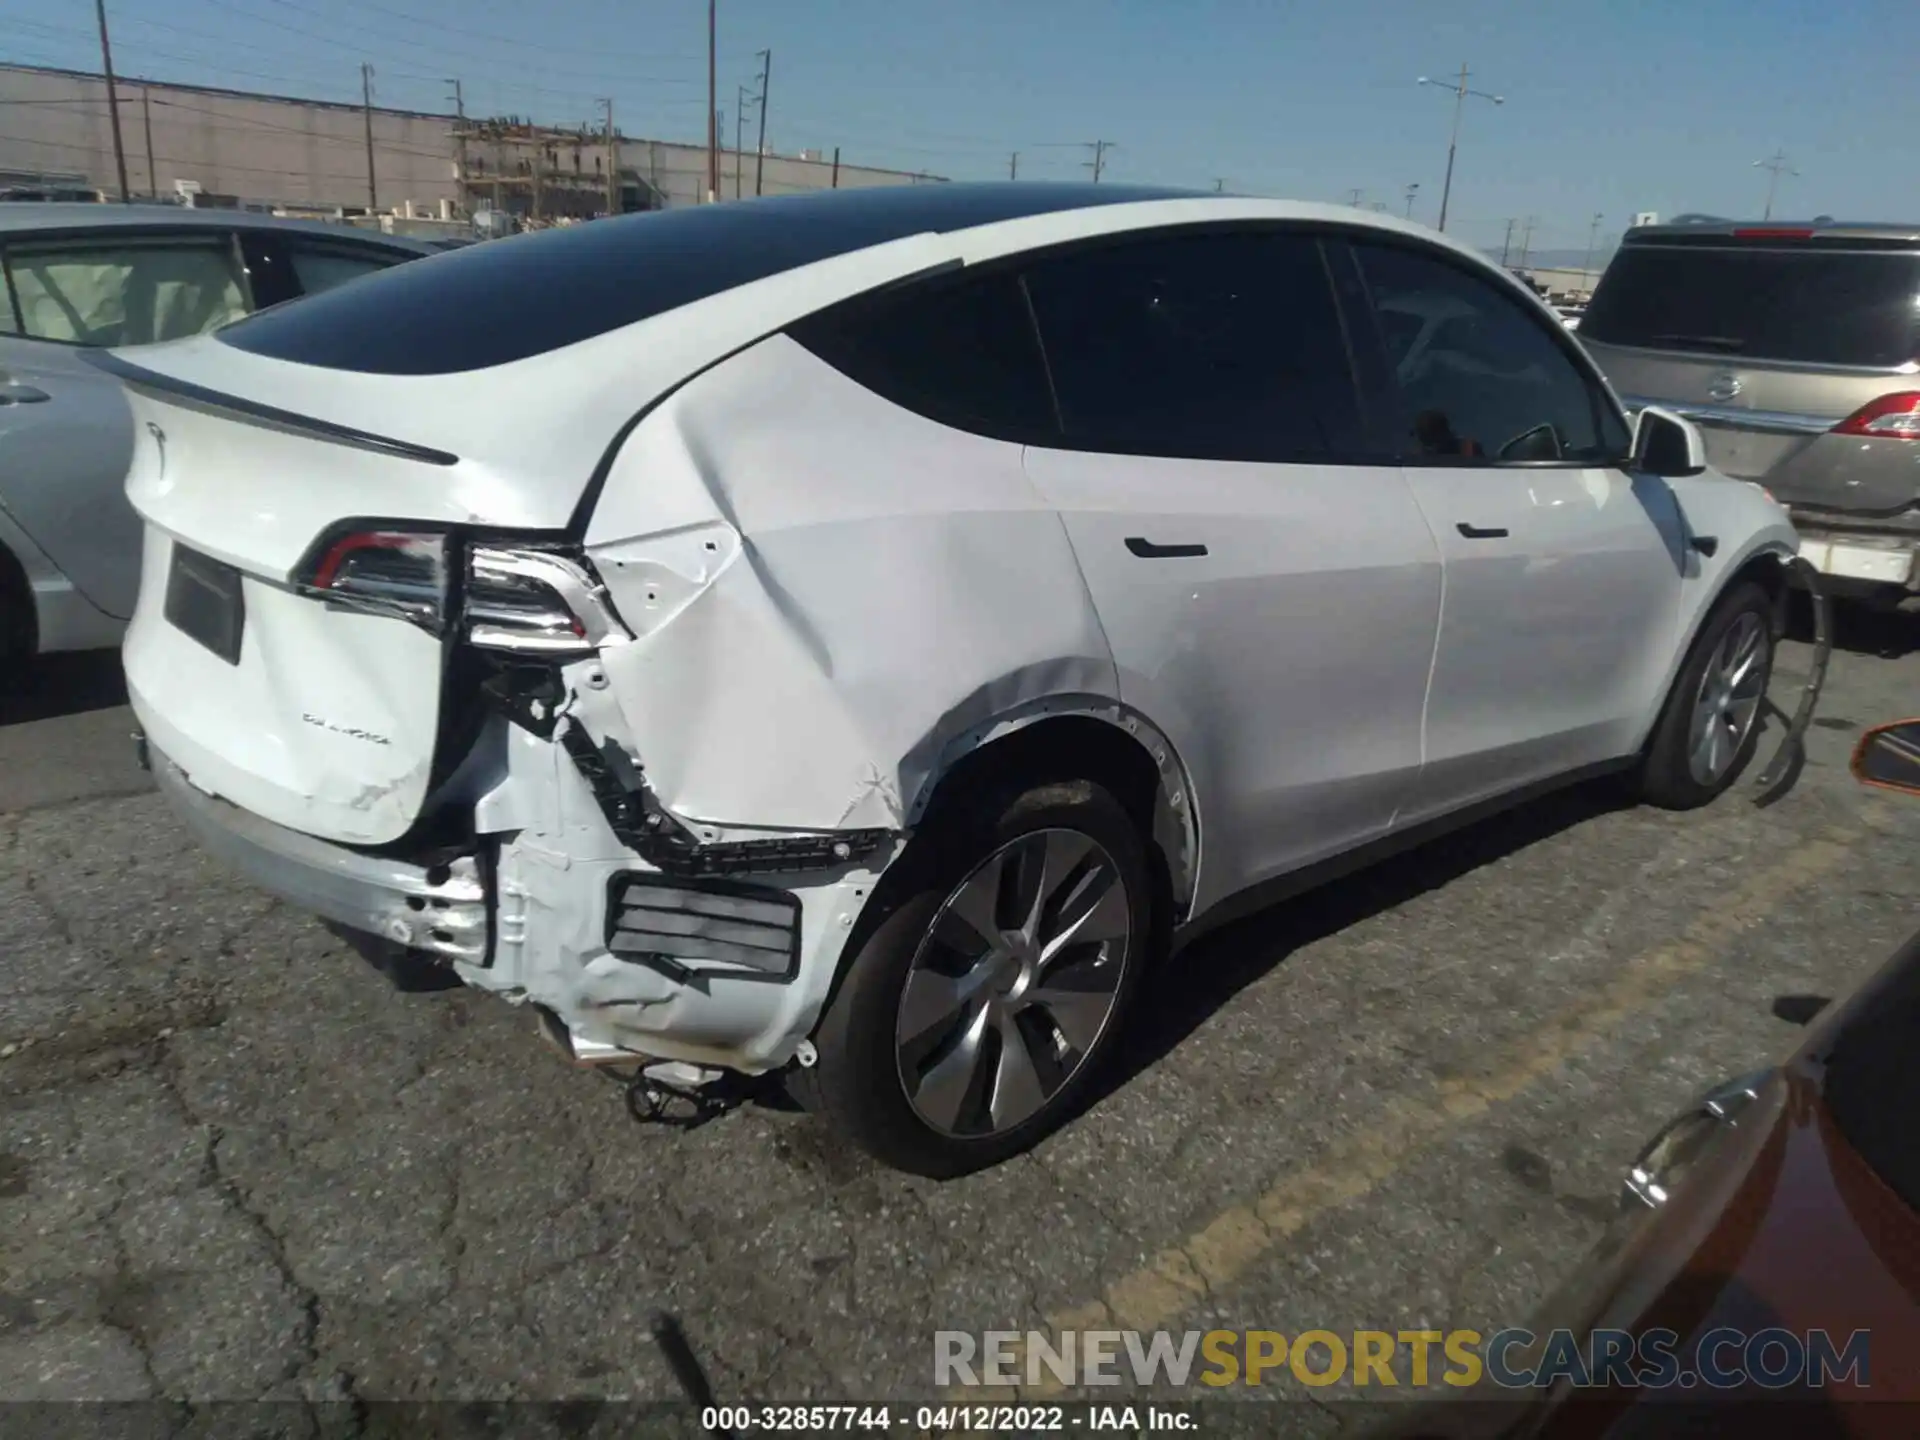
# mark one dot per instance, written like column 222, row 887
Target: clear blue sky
column 1611, row 106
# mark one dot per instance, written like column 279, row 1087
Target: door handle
column 22, row 395
column 1475, row 532
column 1147, row 550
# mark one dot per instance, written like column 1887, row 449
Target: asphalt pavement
column 235, row 1164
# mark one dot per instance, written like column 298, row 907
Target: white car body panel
column 1235, row 650
column 1553, row 635
column 831, row 599
column 885, row 601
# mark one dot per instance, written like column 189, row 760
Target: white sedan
column 855, row 633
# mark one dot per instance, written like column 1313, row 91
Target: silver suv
column 1793, row 348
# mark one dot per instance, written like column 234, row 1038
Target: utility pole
column 614, row 206
column 460, row 144
column 1775, row 166
column 1460, row 93
column 1413, row 189
column 1098, row 163
column 1219, row 186
column 113, row 99
column 760, row 160
column 366, row 111
column 713, row 105
column 1507, row 244
column 835, row 184
column 1013, row 166
column 739, row 133
column 1353, row 196
column 1593, row 233
column 146, row 117
column 1526, row 242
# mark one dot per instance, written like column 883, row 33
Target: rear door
column 1268, row 588
column 66, row 435
column 1563, row 570
column 1766, row 344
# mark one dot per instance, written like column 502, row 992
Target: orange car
column 1763, row 1276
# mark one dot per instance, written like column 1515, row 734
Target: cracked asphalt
column 235, row 1165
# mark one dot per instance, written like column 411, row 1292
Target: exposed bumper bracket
column 1780, row 773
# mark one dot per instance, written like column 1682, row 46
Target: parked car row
column 77, row 278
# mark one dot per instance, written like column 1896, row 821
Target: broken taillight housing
column 390, row 572
column 1890, row 417
column 536, row 600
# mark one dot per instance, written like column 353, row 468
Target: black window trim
column 217, row 237
column 1599, row 393
column 1018, row 262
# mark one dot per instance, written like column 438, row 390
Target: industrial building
column 231, row 147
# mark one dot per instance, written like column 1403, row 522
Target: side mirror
column 1889, row 756
column 1665, row 444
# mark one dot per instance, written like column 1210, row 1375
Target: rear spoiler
column 252, row 412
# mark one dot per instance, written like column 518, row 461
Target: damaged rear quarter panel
column 867, row 586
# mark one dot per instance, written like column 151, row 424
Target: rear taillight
column 531, row 600
column 390, row 572
column 535, row 602
column 1891, row 417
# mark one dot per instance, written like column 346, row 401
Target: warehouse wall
column 308, row 152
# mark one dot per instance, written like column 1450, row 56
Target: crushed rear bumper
column 440, row 910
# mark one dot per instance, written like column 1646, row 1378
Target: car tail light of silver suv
column 525, row 599
column 1890, row 417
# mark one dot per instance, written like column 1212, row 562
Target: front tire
column 981, row 1006
column 1710, row 727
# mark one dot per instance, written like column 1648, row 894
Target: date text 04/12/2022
column 941, row 1419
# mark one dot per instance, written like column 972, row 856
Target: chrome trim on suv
column 1750, row 362
column 1777, row 422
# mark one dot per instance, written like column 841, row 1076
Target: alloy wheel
column 1014, row 983
column 1728, row 704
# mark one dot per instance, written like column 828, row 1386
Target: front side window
column 1223, row 345
column 125, row 292
column 1480, row 379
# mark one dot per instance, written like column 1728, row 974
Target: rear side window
column 963, row 353
column 125, row 292
column 1222, row 346
column 318, row 267
column 1811, row 307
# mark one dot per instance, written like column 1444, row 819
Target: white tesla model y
column 854, row 632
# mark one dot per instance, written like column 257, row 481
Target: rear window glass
column 1818, row 308
column 489, row 304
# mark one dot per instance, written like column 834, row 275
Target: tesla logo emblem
column 160, row 445
column 1724, row 386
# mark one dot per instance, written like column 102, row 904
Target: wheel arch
column 1766, row 564
column 1082, row 738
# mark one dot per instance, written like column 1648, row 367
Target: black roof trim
column 138, row 377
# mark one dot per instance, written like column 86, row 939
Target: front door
column 1270, row 591
column 1563, row 570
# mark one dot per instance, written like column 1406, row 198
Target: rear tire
column 947, row 1049
column 1710, row 726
